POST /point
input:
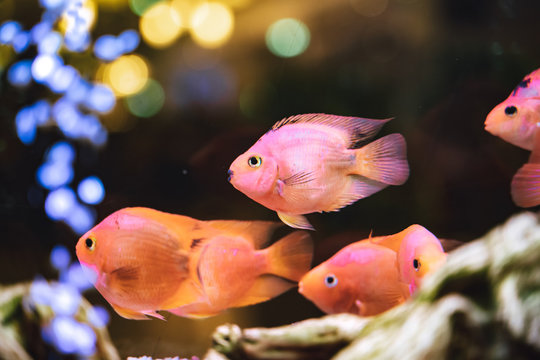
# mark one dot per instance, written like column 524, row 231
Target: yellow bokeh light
column 112, row 4
column 211, row 24
column 127, row 75
column 160, row 25
column 237, row 4
column 73, row 16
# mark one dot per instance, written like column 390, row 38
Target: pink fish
column 316, row 162
column 516, row 121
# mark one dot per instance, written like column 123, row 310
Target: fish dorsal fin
column 392, row 242
column 257, row 232
column 358, row 129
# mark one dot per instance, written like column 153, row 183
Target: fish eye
column 330, row 280
column 255, row 161
column 90, row 243
column 416, row 264
column 510, row 110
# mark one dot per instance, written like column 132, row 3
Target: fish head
column 254, row 173
column 420, row 254
column 515, row 120
column 327, row 288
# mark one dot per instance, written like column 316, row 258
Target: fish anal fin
column 291, row 256
column 384, row 160
column 295, row 221
column 265, row 288
column 359, row 187
column 129, row 314
column 194, row 311
column 525, row 188
column 257, row 232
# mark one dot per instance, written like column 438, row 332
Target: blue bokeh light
column 41, row 292
column 77, row 40
column 60, row 257
column 108, row 47
column 62, row 78
column 80, row 219
column 60, row 203
column 78, row 90
column 19, row 74
column 42, row 111
column 77, row 277
column 25, row 124
column 101, row 98
column 62, row 152
column 50, row 43
column 21, row 41
column 98, row 316
column 91, row 190
column 44, row 66
column 52, row 175
column 8, row 31
column 129, row 40
column 66, row 299
column 52, row 4
column 39, row 31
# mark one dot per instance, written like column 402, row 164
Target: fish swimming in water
column 362, row 278
column 516, row 121
column 143, row 260
column 419, row 253
column 318, row 162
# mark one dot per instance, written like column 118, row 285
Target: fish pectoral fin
column 279, row 187
column 265, row 288
column 130, row 314
column 295, row 221
column 360, row 308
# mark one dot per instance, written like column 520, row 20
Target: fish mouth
column 230, row 173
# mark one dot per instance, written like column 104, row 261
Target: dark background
column 437, row 67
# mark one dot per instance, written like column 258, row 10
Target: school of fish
column 143, row 260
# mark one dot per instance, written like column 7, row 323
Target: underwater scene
column 269, row 179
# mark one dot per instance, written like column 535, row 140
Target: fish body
column 311, row 163
column 362, row 278
column 516, row 121
column 143, row 260
column 419, row 253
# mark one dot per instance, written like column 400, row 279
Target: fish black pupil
column 330, row 280
column 253, row 161
column 416, row 264
column 89, row 243
column 510, row 110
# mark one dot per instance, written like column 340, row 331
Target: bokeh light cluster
column 66, row 331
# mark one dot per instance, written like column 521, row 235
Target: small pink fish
column 419, row 253
column 316, row 162
column 516, row 121
column 362, row 278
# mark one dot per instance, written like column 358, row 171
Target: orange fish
column 143, row 260
column 314, row 162
column 516, row 120
column 419, row 253
column 362, row 278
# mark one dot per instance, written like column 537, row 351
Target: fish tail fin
column 525, row 187
column 384, row 160
column 291, row 256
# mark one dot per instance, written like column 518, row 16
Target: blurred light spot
column 53, row 175
column 496, row 48
column 101, row 98
column 369, row 8
column 112, row 5
column 41, row 110
column 67, row 117
column 78, row 16
column 287, row 37
column 91, row 190
column 98, row 316
column 72, row 337
column 50, row 43
column 77, row 40
column 62, row 152
column 108, row 48
column 21, row 41
column 19, row 74
column 126, row 75
column 211, row 24
column 44, row 66
column 25, row 123
column 85, row 339
column 8, row 30
column 66, row 299
column 80, row 219
column 62, row 78
column 160, row 25
column 148, row 101
column 78, row 90
column 237, row 4
column 51, row 4
column 40, row 31
column 59, row 203
column 41, row 292
column 140, row 6
column 129, row 40
column 60, row 257
column 184, row 9
column 77, row 277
